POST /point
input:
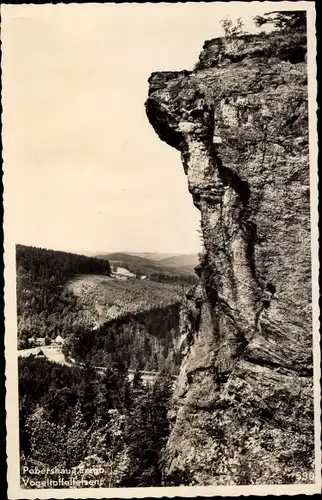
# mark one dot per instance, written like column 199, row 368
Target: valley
column 99, row 317
column 98, row 353
column 55, row 355
column 102, row 338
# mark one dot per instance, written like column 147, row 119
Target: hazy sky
column 84, row 170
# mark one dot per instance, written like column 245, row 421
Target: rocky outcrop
column 243, row 403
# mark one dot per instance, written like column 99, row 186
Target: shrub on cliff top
column 230, row 29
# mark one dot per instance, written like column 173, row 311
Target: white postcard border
column 12, row 401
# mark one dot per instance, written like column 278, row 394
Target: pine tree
column 88, row 394
column 140, row 446
column 77, row 440
column 147, row 431
column 108, row 396
column 47, row 440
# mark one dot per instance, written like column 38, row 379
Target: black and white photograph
column 161, row 262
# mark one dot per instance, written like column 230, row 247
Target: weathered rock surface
column 243, row 404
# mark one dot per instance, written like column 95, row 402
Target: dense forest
column 45, row 264
column 77, row 425
column 147, row 340
column 73, row 417
column 44, row 308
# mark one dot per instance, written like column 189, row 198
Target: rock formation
column 243, row 403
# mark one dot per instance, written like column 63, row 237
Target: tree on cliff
column 286, row 21
column 230, row 29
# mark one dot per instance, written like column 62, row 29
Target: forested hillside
column 43, row 264
column 101, row 319
column 104, row 298
column 106, row 428
column 146, row 340
column 73, row 416
column 44, row 307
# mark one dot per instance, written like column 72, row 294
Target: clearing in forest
column 106, row 298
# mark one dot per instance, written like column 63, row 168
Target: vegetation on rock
column 284, row 21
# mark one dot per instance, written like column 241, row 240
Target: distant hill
column 140, row 266
column 125, row 257
column 151, row 264
column 155, row 256
column 189, row 260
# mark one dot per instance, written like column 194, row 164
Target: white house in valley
column 122, row 274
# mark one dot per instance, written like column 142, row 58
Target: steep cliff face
column 243, row 404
